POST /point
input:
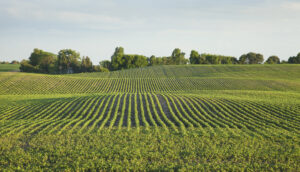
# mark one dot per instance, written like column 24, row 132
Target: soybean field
column 184, row 117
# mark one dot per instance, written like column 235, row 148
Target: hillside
column 158, row 79
column 241, row 103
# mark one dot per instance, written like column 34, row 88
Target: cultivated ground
column 201, row 117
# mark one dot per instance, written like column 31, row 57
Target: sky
column 149, row 27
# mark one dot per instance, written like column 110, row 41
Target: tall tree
column 177, row 57
column 68, row 61
column 194, row 57
column 294, row 59
column 42, row 61
column 117, row 58
column 273, row 60
column 251, row 58
column 105, row 64
column 86, row 65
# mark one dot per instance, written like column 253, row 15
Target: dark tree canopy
column 39, row 57
column 39, row 61
column 68, row 61
column 86, row 65
column 251, row 58
column 195, row 58
column 177, row 57
column 116, row 58
column 106, row 64
column 273, row 60
column 294, row 59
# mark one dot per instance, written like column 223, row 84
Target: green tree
column 43, row 61
column 251, row 58
column 86, row 65
column 27, row 67
column 68, row 61
column 177, row 57
column 152, row 60
column 140, row 61
column 14, row 62
column 194, row 57
column 273, row 60
column 117, row 58
column 105, row 64
column 294, row 59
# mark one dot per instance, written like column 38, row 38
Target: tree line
column 66, row 61
column 70, row 61
column 12, row 62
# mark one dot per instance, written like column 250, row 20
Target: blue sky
column 95, row 27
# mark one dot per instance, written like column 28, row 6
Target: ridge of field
column 157, row 79
column 282, row 71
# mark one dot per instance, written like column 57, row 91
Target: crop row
column 238, row 71
column 87, row 114
column 45, row 84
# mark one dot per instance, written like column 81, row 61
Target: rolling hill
column 252, row 103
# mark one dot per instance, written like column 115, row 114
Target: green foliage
column 106, row 64
column 86, row 65
column 4, row 62
column 146, row 150
column 68, row 61
column 39, row 61
column 117, row 58
column 40, row 57
column 27, row 67
column 177, row 57
column 196, row 58
column 294, row 59
column 273, row 60
column 14, row 62
column 251, row 58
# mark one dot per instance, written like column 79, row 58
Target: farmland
column 189, row 117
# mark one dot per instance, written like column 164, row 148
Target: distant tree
column 152, row 61
column 106, row 64
column 273, row 60
column 68, row 61
column 166, row 60
column 294, row 59
column 284, row 62
column 156, row 61
column 86, row 65
column 103, row 69
column 194, row 57
column 177, row 57
column 251, row 58
column 14, row 62
column 38, row 57
column 117, row 58
column 216, row 59
column 140, row 61
column 212, row 59
column 27, row 67
column 43, row 61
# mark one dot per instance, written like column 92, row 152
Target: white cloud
column 291, row 6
